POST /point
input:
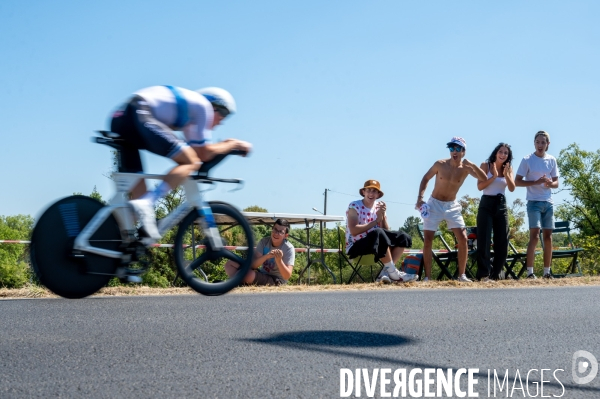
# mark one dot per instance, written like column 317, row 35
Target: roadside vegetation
column 580, row 176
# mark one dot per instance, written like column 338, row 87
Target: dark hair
column 283, row 223
column 492, row 157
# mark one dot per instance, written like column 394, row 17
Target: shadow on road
column 344, row 339
column 334, row 342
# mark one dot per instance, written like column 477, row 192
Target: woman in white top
column 492, row 215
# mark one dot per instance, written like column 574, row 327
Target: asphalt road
column 283, row 345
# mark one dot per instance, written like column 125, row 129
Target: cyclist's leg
column 159, row 139
column 123, row 124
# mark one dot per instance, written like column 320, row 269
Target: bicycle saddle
column 111, row 139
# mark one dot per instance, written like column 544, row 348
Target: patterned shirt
column 365, row 216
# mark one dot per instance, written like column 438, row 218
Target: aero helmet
column 219, row 98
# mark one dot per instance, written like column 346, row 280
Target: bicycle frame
column 120, row 208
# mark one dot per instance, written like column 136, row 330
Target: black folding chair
column 357, row 263
column 442, row 259
column 513, row 259
column 571, row 253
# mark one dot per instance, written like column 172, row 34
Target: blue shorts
column 540, row 214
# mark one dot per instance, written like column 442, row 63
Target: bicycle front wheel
column 201, row 265
column 51, row 249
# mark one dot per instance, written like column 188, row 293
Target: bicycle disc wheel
column 52, row 248
column 199, row 264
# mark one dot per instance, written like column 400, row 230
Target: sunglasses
column 279, row 232
column 221, row 110
column 455, row 148
column 504, row 145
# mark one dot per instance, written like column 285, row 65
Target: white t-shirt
column 532, row 168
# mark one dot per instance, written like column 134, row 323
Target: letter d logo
column 580, row 366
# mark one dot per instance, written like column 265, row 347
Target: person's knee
column 188, row 156
column 231, row 268
column 461, row 238
column 250, row 277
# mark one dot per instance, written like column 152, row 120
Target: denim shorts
column 540, row 214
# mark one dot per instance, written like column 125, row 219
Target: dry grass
column 41, row 292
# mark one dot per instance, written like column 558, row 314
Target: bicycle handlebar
column 112, row 139
column 208, row 165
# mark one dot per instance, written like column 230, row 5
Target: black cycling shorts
column 141, row 131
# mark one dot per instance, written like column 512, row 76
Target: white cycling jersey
column 163, row 105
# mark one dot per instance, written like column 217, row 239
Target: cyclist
column 147, row 122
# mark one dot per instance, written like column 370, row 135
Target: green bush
column 153, row 278
column 14, row 275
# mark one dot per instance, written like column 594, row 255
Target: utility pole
column 325, row 205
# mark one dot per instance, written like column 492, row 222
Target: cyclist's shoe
column 531, row 276
column 145, row 214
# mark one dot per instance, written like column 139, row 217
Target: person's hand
column 272, row 253
column 468, row 163
column 278, row 253
column 419, row 203
column 542, row 180
column 507, row 168
column 494, row 170
column 380, row 212
column 244, row 146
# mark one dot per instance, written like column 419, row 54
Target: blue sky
column 329, row 93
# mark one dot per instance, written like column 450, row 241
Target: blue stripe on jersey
column 182, row 108
column 198, row 142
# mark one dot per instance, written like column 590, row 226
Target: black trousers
column 492, row 216
column 378, row 241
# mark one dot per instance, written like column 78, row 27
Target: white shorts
column 450, row 211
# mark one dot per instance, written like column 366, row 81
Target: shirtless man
column 450, row 175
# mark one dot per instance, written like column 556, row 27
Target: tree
column 411, row 226
column 260, row 230
column 580, row 172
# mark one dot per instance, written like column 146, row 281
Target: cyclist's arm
column 208, row 151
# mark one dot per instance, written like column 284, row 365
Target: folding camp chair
column 365, row 260
column 570, row 253
column 513, row 259
column 357, row 263
column 442, row 259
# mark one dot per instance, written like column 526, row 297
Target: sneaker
column 464, row 279
column 383, row 278
column 398, row 276
column 425, row 279
column 532, row 276
column 144, row 212
column 548, row 276
column 487, row 280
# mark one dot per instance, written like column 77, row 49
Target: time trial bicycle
column 78, row 244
